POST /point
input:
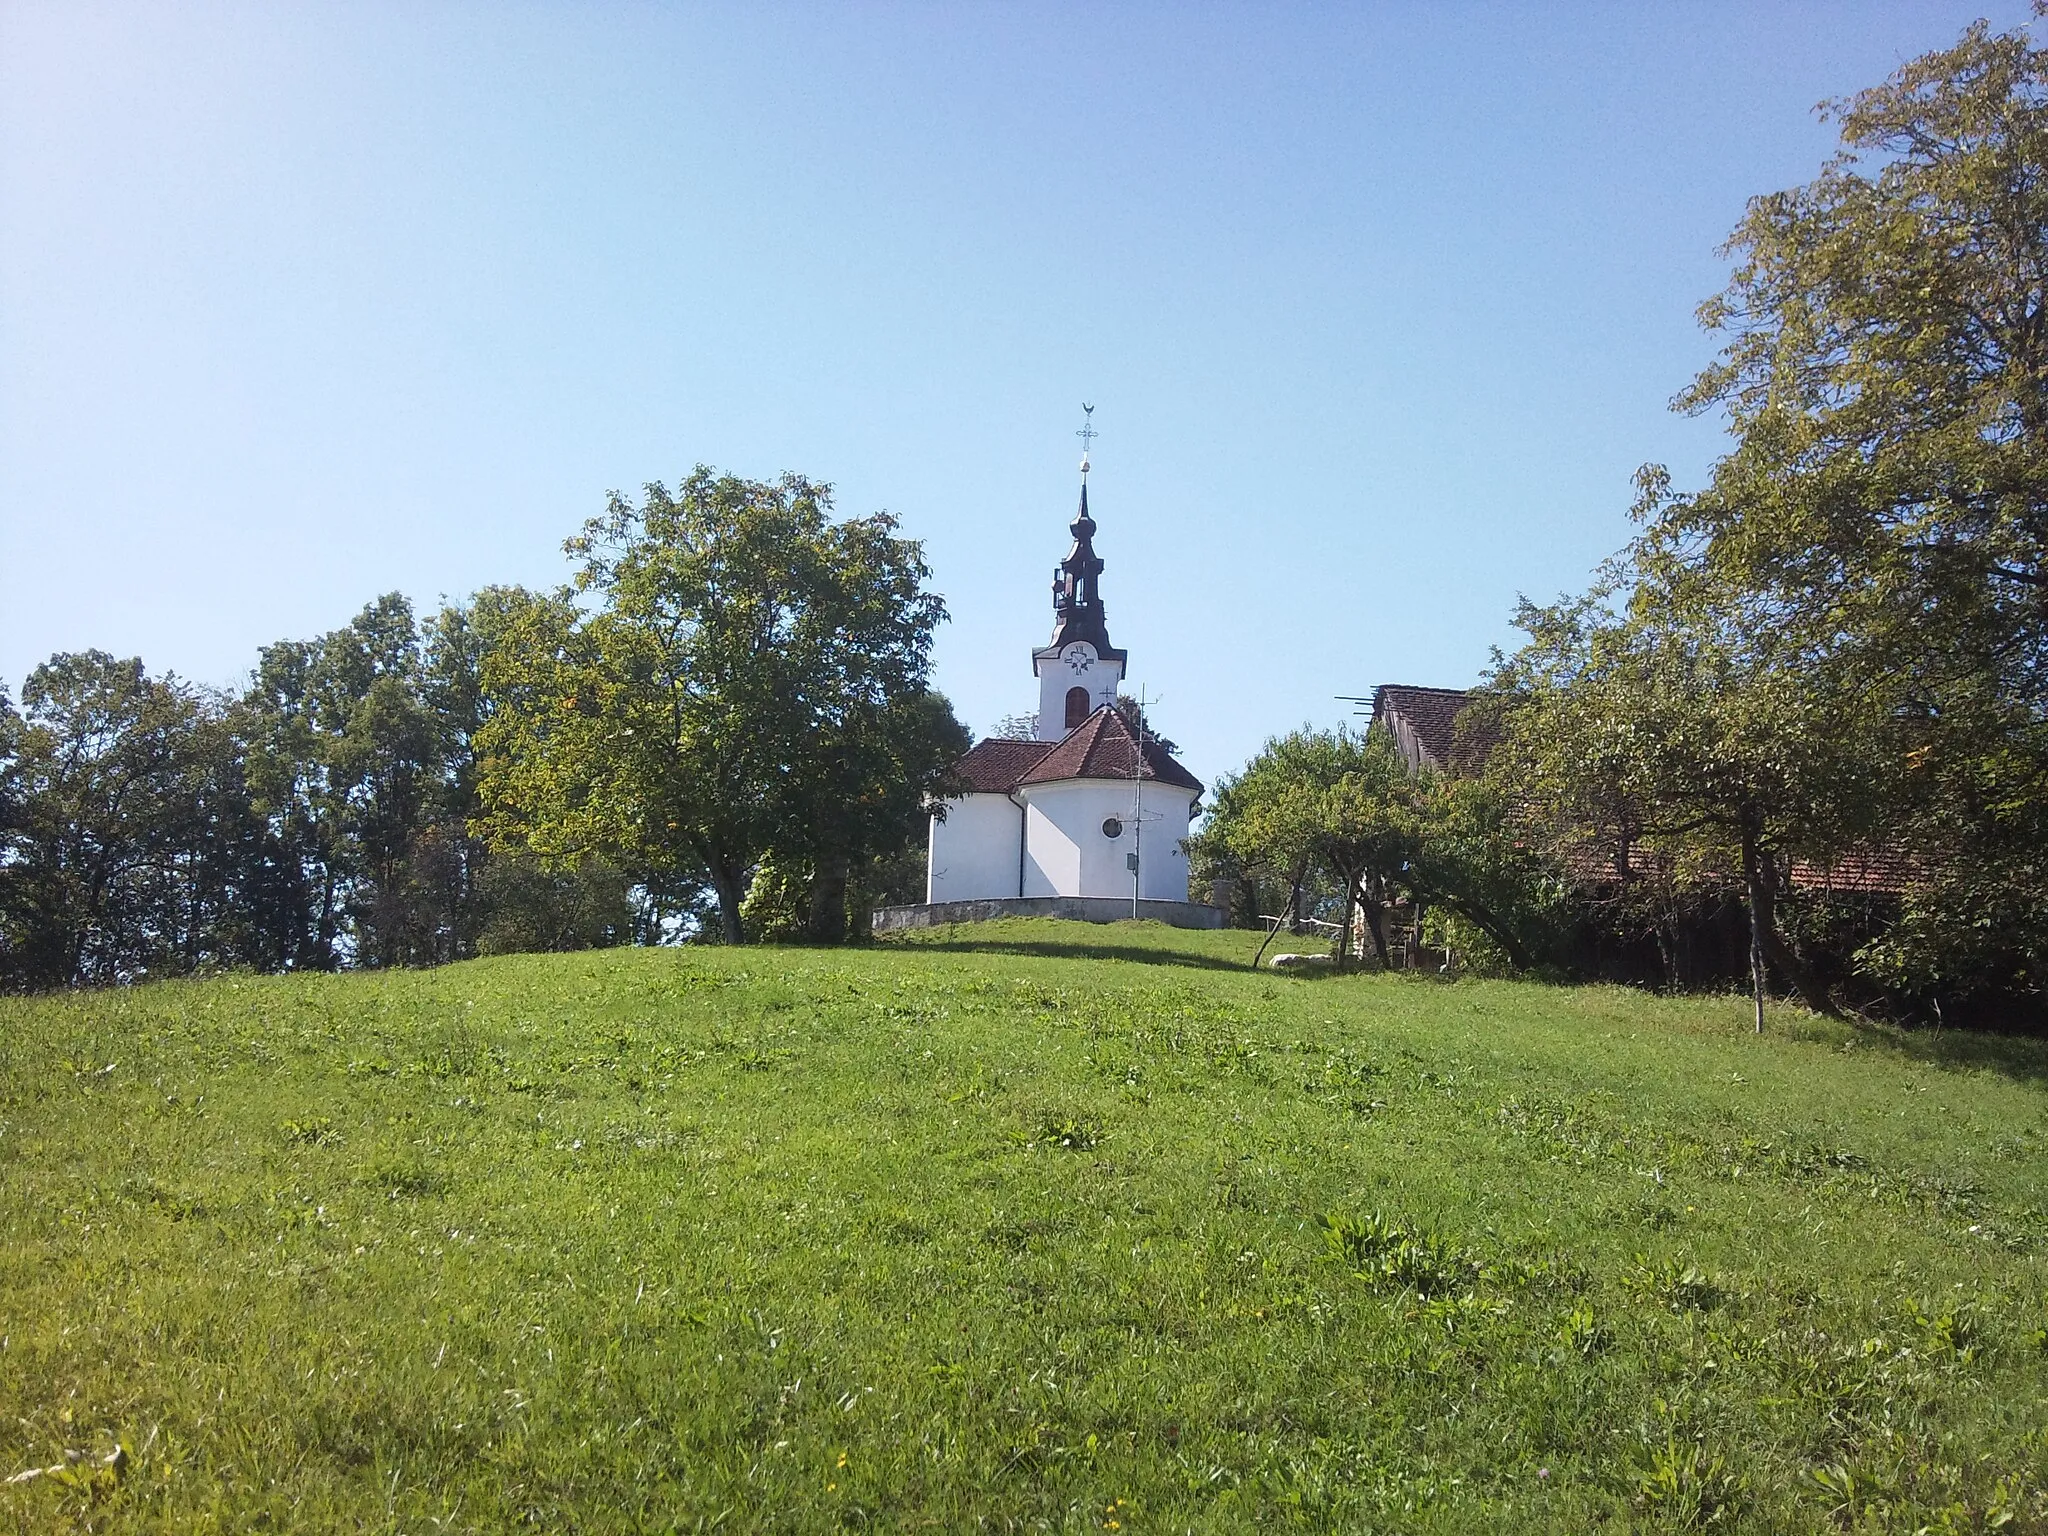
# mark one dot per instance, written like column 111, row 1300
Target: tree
column 105, row 853
column 1471, row 854
column 360, row 751
column 1348, row 804
column 1885, row 506
column 752, row 679
column 530, row 907
column 1262, row 825
column 1680, row 726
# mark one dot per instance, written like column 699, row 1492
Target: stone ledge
column 1085, row 909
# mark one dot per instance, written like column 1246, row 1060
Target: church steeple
column 1079, row 671
column 1077, row 610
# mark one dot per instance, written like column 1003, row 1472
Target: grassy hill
column 1029, row 1226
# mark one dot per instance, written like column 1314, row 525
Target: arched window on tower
column 1077, row 706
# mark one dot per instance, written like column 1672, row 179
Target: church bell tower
column 1079, row 671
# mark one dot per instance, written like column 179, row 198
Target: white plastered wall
column 1068, row 854
column 1056, row 675
column 974, row 850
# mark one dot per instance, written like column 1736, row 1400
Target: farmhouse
column 1088, row 818
column 1434, row 728
column 1638, row 923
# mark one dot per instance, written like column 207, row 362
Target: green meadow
column 1025, row 1226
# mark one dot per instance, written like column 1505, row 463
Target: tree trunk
column 1781, row 954
column 1759, row 914
column 1293, row 906
column 1760, row 874
column 1370, row 901
column 1517, row 952
column 1341, row 951
column 826, row 921
column 730, row 887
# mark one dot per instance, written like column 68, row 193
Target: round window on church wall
column 1111, row 827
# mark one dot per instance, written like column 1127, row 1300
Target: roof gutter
column 1023, row 826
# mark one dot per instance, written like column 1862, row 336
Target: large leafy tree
column 1885, row 508
column 360, row 748
column 1329, row 801
column 1347, row 805
column 733, row 674
column 1670, row 730
column 124, row 849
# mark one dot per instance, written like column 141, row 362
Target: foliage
column 531, row 907
column 319, row 819
column 777, row 908
column 1008, row 1226
column 752, row 680
column 1678, row 734
column 1346, row 804
column 125, row 844
column 1886, row 373
column 1840, row 645
column 360, row 746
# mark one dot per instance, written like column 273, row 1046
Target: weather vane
column 1087, row 434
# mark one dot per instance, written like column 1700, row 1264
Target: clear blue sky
column 1380, row 305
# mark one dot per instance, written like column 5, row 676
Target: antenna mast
column 1137, row 803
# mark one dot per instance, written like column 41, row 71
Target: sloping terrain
column 1021, row 1226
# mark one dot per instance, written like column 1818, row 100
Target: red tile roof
column 1869, row 872
column 995, row 766
column 1431, row 726
column 1102, row 747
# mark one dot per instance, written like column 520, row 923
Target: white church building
column 1084, row 821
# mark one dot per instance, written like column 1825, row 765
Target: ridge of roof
column 1103, row 747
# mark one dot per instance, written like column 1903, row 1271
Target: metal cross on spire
column 1087, row 434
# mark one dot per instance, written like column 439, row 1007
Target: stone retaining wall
column 1086, row 909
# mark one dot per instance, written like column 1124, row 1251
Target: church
column 1085, row 820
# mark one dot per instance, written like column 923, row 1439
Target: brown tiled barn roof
column 1426, row 725
column 1102, row 747
column 1870, row 872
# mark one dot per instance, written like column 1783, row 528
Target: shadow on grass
column 2022, row 1058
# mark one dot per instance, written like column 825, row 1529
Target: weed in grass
column 1060, row 1130
column 1584, row 1333
column 1689, row 1488
column 1669, row 1284
column 315, row 1131
column 1386, row 1255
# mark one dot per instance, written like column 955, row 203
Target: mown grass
column 1027, row 1226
